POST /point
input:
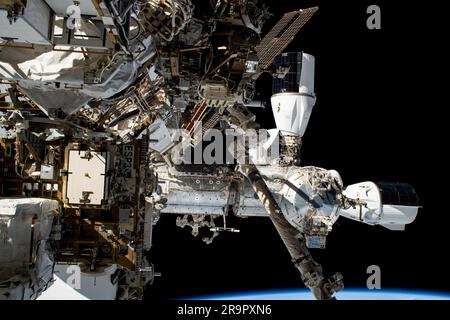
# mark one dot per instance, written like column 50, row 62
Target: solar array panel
column 281, row 35
column 291, row 82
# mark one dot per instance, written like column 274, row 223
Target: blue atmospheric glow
column 347, row 294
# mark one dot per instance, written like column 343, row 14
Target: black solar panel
column 401, row 194
column 281, row 35
column 291, row 82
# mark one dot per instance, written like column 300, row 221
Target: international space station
column 108, row 110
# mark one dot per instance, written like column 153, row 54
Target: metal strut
column 311, row 271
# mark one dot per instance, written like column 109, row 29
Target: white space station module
column 116, row 112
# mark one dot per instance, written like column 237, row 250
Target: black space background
column 371, row 122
